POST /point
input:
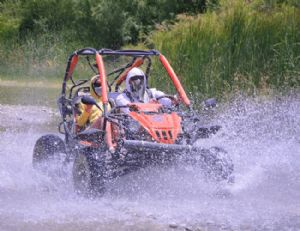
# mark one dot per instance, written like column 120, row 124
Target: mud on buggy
column 149, row 134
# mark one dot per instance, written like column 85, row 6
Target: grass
column 240, row 47
column 35, row 58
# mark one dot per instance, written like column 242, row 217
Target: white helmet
column 136, row 83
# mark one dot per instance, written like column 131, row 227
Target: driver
column 137, row 92
column 90, row 114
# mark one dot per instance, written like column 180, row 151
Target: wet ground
column 262, row 136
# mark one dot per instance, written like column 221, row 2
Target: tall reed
column 35, row 57
column 240, row 47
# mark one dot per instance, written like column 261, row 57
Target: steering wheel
column 173, row 99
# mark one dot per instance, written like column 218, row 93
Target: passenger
column 90, row 115
column 136, row 91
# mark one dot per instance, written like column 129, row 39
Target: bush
column 34, row 33
column 101, row 23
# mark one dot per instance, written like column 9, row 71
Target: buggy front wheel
column 88, row 173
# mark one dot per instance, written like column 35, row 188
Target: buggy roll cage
column 138, row 61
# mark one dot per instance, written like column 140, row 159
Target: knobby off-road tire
column 89, row 172
column 217, row 164
column 48, row 148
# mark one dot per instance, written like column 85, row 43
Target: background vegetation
column 237, row 47
column 38, row 35
column 215, row 46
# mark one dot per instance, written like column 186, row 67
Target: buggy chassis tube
column 150, row 146
column 138, row 62
column 102, row 73
column 72, row 62
column 175, row 80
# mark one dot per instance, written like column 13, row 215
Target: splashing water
column 261, row 135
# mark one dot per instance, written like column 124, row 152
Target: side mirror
column 210, row 103
column 88, row 100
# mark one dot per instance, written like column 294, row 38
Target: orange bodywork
column 145, row 107
column 164, row 128
column 88, row 144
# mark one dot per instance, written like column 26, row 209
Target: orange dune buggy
column 149, row 134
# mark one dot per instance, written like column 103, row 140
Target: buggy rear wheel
column 48, row 148
column 88, row 173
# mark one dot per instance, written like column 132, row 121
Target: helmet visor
column 137, row 87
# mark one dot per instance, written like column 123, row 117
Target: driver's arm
column 164, row 101
column 88, row 114
column 122, row 100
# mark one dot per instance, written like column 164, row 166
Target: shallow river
column 261, row 135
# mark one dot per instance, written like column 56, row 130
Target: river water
column 262, row 136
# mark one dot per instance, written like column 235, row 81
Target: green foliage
column 36, row 57
column 35, row 32
column 9, row 21
column 46, row 16
column 269, row 4
column 99, row 23
column 236, row 47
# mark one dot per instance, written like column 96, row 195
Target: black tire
column 217, row 164
column 48, row 147
column 89, row 172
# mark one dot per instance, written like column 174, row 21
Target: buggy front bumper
column 135, row 145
